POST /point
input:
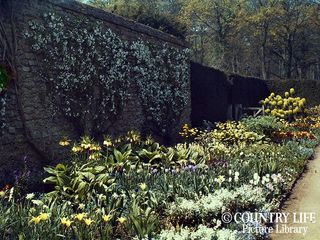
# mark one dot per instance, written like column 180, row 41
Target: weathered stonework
column 31, row 130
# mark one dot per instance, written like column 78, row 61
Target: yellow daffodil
column 121, row 220
column 81, row 206
column 221, row 178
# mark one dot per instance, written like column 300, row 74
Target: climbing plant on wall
column 162, row 74
column 2, row 111
column 85, row 67
column 4, row 78
column 4, row 83
column 89, row 70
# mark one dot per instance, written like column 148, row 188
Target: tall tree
column 263, row 38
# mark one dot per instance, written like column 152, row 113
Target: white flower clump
column 270, row 182
column 219, row 201
column 201, row 233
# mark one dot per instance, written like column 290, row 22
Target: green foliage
column 164, row 91
column 79, row 183
column 142, row 213
column 264, row 125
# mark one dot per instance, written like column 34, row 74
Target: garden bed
column 131, row 187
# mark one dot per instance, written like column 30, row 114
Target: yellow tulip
column 2, row 194
column 143, row 186
column 35, row 220
column 106, row 218
column 121, row 220
column 66, row 222
column 44, row 216
column 80, row 216
column 88, row 221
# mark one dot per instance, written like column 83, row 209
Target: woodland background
column 269, row 39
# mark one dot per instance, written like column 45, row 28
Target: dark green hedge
column 213, row 92
column 309, row 89
column 210, row 94
column 248, row 91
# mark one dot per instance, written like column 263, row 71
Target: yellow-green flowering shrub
column 285, row 107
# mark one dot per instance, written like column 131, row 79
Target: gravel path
column 305, row 198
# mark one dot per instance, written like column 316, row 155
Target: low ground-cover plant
column 263, row 124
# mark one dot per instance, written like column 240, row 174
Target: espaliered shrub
column 162, row 75
column 4, row 78
column 89, row 71
column 4, row 83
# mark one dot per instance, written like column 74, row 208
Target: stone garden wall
column 141, row 82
